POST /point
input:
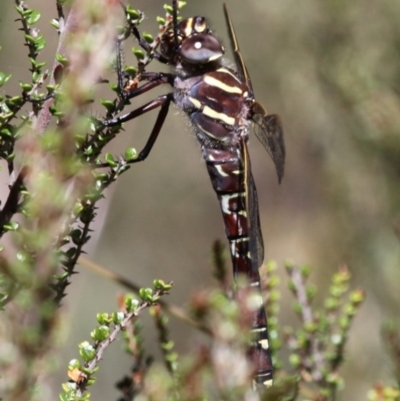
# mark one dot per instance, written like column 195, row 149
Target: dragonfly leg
column 164, row 102
column 153, row 79
column 156, row 78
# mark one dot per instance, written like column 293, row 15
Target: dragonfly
column 220, row 104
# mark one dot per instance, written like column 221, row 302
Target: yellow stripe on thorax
column 220, row 85
column 209, row 112
column 224, row 70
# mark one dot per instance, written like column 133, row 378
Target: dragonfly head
column 191, row 42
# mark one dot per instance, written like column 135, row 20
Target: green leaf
column 274, row 296
column 108, row 104
column 36, row 76
column 131, row 303
column 91, row 381
column 25, row 87
column 51, row 88
column 20, row 10
column 40, row 65
column 344, row 321
column 4, row 78
column 161, row 285
column 62, row 276
column 291, row 286
column 40, row 43
column 295, row 360
column 147, row 37
column 63, row 397
column 74, row 364
column 86, row 351
column 78, row 207
column 331, row 304
column 76, row 236
column 146, row 294
column 27, row 12
column 357, row 297
column 90, row 372
column 113, row 87
column 11, row 226
column 71, row 252
column 85, row 396
column 33, row 17
column 310, row 327
column 134, row 14
column 130, row 154
column 102, row 317
column 62, row 60
column 100, row 333
column 5, row 117
column 5, row 132
column 138, row 53
column 117, row 317
column 55, row 112
column 168, row 346
column 168, row 9
column 15, row 100
column 311, row 291
column 131, row 70
column 109, row 158
column 305, row 271
column 123, row 168
column 101, row 176
column 56, row 23
column 29, row 38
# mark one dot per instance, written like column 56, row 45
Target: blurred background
column 331, row 70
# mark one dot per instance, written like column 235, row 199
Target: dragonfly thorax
column 218, row 103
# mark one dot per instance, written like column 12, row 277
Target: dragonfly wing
column 268, row 129
column 255, row 228
column 255, row 234
column 241, row 66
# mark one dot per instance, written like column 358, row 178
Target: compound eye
column 201, row 49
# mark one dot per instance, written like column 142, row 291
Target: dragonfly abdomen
column 226, row 171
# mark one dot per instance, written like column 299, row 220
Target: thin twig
column 172, row 309
column 71, row 25
column 113, row 335
column 307, row 318
column 11, row 205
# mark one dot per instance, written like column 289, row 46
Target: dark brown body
column 218, row 104
column 221, row 106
